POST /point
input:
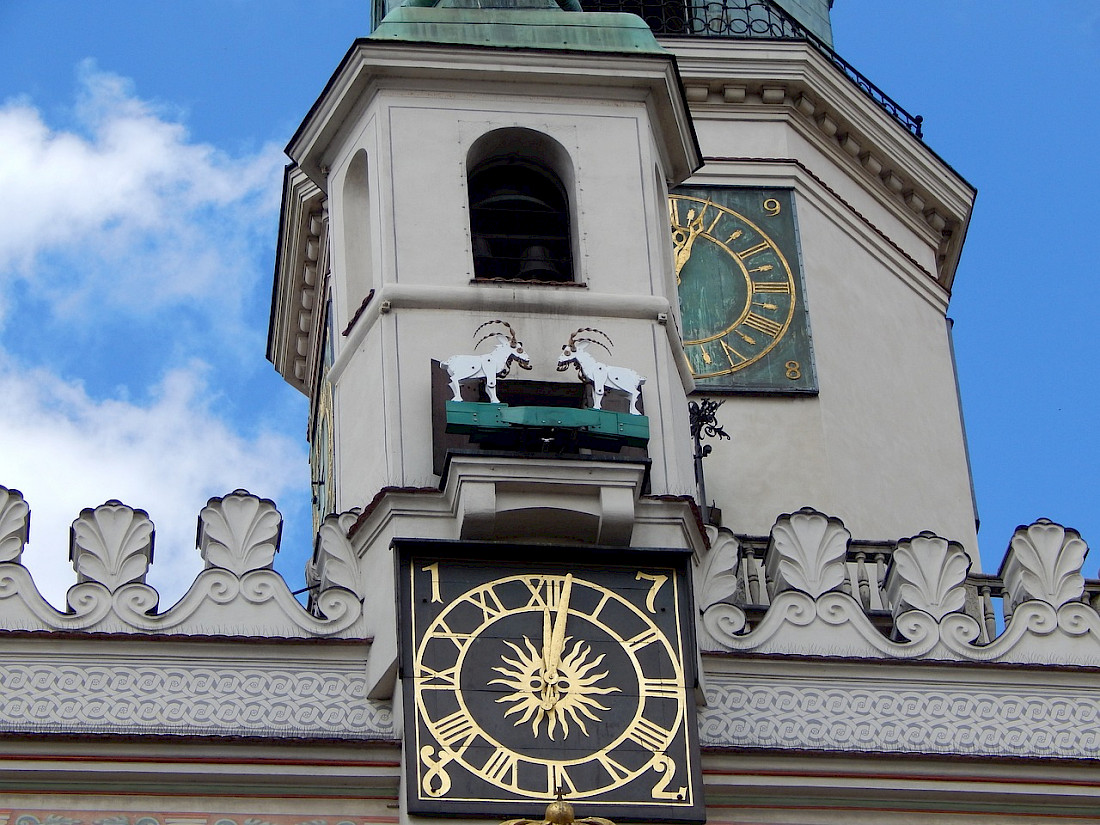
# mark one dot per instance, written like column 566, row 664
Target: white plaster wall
column 420, row 218
column 881, row 446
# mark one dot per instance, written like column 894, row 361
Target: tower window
column 519, row 212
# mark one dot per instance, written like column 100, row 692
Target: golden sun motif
column 559, row 696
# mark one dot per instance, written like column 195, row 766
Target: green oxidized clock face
column 741, row 295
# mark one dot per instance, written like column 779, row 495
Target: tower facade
column 729, row 575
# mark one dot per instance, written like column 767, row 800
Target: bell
column 482, row 250
column 537, row 265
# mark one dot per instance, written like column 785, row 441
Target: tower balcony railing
column 748, row 19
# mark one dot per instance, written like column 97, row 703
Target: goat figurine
column 493, row 365
column 599, row 375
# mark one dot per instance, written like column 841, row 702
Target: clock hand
column 553, row 643
column 557, row 639
column 684, row 238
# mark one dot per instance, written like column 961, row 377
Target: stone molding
column 238, row 594
column 225, row 699
column 814, row 594
column 899, row 717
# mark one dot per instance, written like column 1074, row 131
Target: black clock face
column 740, row 289
column 526, row 678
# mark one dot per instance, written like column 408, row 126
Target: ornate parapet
column 237, row 594
column 809, row 589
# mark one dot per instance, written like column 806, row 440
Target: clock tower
column 481, row 191
column 488, row 202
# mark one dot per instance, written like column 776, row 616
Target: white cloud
column 66, row 451
column 140, row 216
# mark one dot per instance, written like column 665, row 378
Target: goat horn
column 594, row 341
column 573, row 337
column 482, row 326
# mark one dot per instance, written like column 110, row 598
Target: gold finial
column 560, row 812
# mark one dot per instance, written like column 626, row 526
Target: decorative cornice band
column 774, row 713
column 179, row 699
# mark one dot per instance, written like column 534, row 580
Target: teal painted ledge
column 474, row 418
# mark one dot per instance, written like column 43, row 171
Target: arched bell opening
column 519, row 208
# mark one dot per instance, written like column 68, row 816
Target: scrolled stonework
column 904, row 717
column 717, row 586
column 15, row 519
column 218, row 700
column 335, row 562
column 927, row 573
column 806, row 553
column 239, row 532
column 111, row 545
column 1044, row 563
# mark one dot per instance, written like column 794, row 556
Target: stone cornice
column 298, row 272
column 368, row 64
column 756, row 80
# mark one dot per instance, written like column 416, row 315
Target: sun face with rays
column 559, row 696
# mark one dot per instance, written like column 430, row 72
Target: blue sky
column 141, row 164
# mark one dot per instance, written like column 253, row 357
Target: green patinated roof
column 528, row 24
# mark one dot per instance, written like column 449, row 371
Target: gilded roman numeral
column 488, row 602
column 753, row 250
column 456, row 729
column 662, row 688
column 441, row 630
column 446, row 679
column 646, row 637
column 557, row 778
column 771, row 286
column 538, row 595
column 731, row 352
column 616, row 771
column 501, row 767
column 650, row 735
column 764, row 325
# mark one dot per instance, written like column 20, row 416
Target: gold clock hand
column 557, row 639
column 547, row 635
column 684, row 238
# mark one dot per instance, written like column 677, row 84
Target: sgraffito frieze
column 191, row 700
column 767, row 713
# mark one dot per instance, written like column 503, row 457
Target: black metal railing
column 748, row 19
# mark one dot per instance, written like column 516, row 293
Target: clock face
column 523, row 678
column 740, row 287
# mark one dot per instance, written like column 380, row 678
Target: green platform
column 476, row 418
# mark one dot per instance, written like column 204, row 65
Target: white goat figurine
column 491, row 366
column 599, row 375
